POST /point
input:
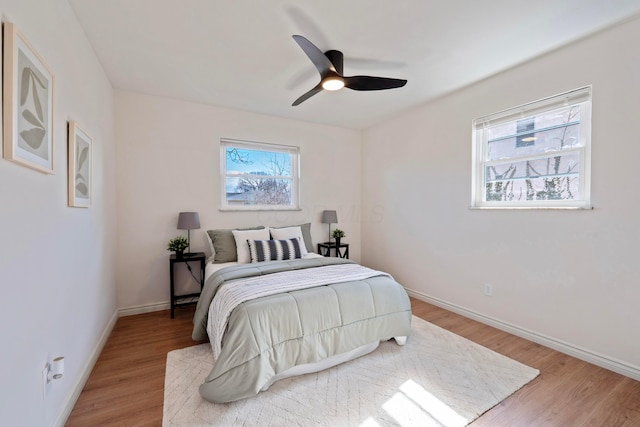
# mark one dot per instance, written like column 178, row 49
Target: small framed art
column 28, row 104
column 80, row 167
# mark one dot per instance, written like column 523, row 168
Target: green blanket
column 269, row 335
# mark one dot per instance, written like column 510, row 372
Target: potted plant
column 178, row 245
column 338, row 234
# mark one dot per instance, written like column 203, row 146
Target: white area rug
column 437, row 379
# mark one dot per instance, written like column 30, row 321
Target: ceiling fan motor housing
column 337, row 59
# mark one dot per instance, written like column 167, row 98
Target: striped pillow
column 276, row 250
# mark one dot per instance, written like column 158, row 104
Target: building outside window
column 535, row 155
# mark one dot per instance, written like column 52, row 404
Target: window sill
column 551, row 208
column 259, row 210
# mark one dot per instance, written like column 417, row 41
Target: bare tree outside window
column 269, row 191
column 259, row 175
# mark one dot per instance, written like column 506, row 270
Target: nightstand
column 325, row 249
column 181, row 300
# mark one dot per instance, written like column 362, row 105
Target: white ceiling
column 239, row 54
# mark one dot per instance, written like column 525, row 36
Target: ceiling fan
column 330, row 67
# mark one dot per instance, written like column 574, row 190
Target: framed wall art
column 80, row 167
column 28, row 104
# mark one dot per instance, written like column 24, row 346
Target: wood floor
column 126, row 385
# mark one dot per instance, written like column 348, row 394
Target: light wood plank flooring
column 126, row 385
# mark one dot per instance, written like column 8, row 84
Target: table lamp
column 329, row 217
column 188, row 221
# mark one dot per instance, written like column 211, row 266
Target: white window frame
column 294, row 151
column 582, row 97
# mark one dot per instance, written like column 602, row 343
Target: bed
column 270, row 319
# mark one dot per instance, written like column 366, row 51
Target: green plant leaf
column 28, row 116
column 337, row 233
column 33, row 137
column 179, row 243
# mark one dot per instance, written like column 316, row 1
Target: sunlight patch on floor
column 405, row 412
column 369, row 422
column 415, row 406
column 434, row 406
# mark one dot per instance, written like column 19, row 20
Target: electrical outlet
column 488, row 289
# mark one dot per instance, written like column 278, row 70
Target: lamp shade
column 329, row 217
column 188, row 221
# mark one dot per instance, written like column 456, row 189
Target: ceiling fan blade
column 307, row 95
column 316, row 56
column 372, row 83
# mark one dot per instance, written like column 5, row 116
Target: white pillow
column 241, row 237
column 286, row 233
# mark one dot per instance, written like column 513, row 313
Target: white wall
column 571, row 276
column 56, row 262
column 168, row 162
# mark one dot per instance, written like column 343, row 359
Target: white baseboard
column 140, row 309
column 597, row 359
column 86, row 371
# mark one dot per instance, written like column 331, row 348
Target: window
column 258, row 176
column 536, row 155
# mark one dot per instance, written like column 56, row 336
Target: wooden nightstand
column 180, row 300
column 325, row 249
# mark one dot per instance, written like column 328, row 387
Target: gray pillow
column 224, row 244
column 306, row 234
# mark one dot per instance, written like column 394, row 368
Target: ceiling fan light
column 332, row 83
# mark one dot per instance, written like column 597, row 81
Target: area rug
column 437, row 379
